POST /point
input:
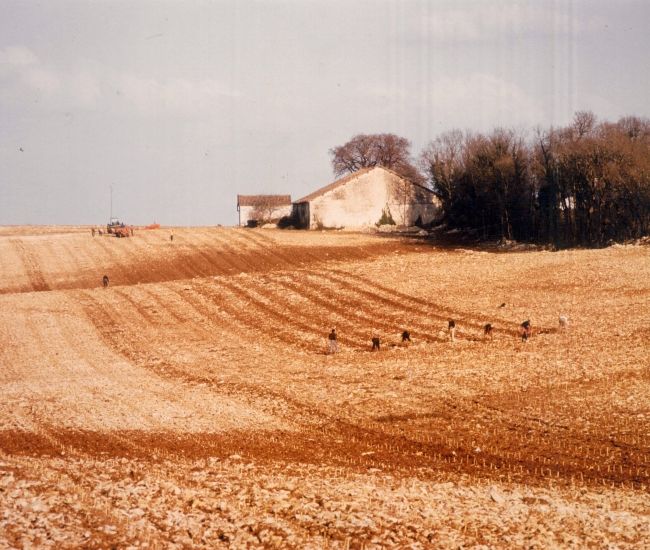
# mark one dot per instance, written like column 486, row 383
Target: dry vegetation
column 191, row 403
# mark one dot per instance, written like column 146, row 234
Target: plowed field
column 192, row 402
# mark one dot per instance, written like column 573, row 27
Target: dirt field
column 192, row 404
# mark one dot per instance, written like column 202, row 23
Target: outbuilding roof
column 263, row 200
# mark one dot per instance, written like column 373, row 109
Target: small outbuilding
column 368, row 197
column 258, row 209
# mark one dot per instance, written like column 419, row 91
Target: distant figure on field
column 564, row 322
column 406, row 336
column 131, row 230
column 171, row 236
column 100, row 232
column 92, row 230
column 525, row 330
column 487, row 330
column 503, row 304
column 451, row 327
column 105, row 281
column 333, row 344
column 375, row 343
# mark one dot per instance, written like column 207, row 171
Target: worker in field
column 525, row 330
column 488, row 330
column 105, row 281
column 333, row 346
column 451, row 327
column 406, row 337
column 375, row 343
column 92, row 230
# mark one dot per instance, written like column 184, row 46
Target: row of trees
column 584, row 184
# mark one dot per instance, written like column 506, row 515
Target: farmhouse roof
column 338, row 183
column 263, row 200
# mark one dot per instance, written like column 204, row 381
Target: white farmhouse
column 367, row 198
column 262, row 208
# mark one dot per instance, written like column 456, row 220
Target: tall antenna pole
column 111, row 218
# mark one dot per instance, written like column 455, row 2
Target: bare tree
column 441, row 161
column 636, row 128
column 368, row 150
column 265, row 210
column 583, row 123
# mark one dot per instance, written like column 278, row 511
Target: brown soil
column 213, row 346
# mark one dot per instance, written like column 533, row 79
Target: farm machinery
column 119, row 229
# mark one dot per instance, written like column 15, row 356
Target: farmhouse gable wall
column 360, row 199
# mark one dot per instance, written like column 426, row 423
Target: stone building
column 365, row 198
column 254, row 209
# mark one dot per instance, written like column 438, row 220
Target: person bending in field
column 375, row 343
column 105, row 281
column 451, row 327
column 332, row 343
column 525, row 330
column 487, row 330
column 406, row 336
column 92, row 230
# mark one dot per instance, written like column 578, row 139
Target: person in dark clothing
column 375, row 343
column 451, row 326
column 525, row 330
column 406, row 336
column 333, row 344
column 487, row 330
column 105, row 281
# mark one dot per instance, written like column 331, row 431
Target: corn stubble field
column 191, row 403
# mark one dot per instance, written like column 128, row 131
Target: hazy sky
column 182, row 105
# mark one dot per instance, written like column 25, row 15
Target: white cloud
column 478, row 101
column 24, row 78
column 486, row 21
column 176, row 95
column 482, row 101
column 16, row 56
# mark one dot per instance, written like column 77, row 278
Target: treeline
column 585, row 184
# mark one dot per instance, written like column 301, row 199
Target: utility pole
column 110, row 220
